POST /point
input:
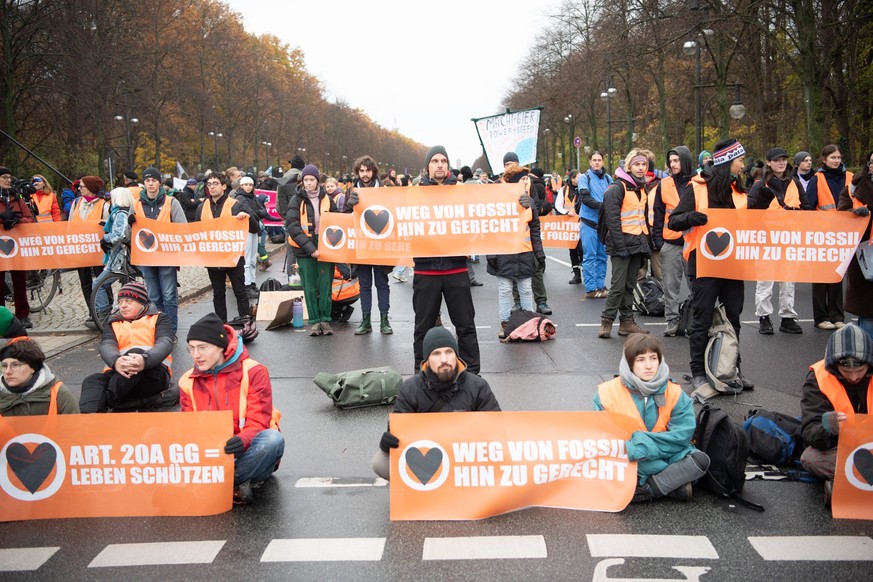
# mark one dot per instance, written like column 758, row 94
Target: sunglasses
column 37, row 179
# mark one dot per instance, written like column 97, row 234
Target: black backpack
column 773, row 436
column 649, row 297
column 727, row 446
column 684, row 317
column 271, row 284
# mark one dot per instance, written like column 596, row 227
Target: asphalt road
column 338, row 527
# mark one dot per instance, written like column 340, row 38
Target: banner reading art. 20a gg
column 513, row 131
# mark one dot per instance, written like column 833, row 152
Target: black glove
column 352, row 199
column 541, row 259
column 492, row 263
column 389, row 441
column 235, row 446
column 9, row 223
column 105, row 245
column 131, row 218
column 697, row 218
column 524, row 200
column 861, row 211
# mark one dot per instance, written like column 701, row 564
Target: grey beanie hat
column 798, row 157
column 850, row 347
column 437, row 149
column 438, row 337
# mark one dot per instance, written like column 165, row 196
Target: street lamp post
column 572, row 137
column 128, row 121
column 266, row 145
column 692, row 47
column 607, row 96
column 547, row 132
column 215, row 135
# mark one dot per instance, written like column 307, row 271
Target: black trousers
column 576, row 255
column 237, row 278
column 705, row 293
column 86, row 278
column 428, row 291
column 109, row 389
column 827, row 302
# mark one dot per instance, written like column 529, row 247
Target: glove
column 352, row 199
column 524, row 200
column 541, row 259
column 830, row 423
column 131, row 218
column 9, row 223
column 861, row 211
column 492, row 264
column 389, row 441
column 105, row 245
column 791, row 207
column 697, row 218
column 235, row 446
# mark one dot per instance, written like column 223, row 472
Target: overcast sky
column 424, row 68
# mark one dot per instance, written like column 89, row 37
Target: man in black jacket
column 189, row 199
column 442, row 385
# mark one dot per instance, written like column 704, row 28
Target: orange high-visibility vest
column 53, row 399
column 304, row 218
column 633, row 212
column 94, row 215
column 206, row 214
column 615, row 397
column 139, row 333
column 791, row 199
column 825, row 196
column 701, row 204
column 670, row 198
column 831, row 387
column 44, row 207
column 163, row 214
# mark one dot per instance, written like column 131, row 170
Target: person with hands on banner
column 14, row 210
column 592, row 184
column 224, row 377
column 28, row 387
column 442, row 384
column 302, row 224
column 836, row 389
column 137, row 347
column 857, row 197
column 627, row 241
column 90, row 206
column 663, row 417
column 154, row 203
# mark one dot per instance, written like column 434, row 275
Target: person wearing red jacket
column 223, row 377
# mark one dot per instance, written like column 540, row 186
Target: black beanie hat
column 297, row 162
column 209, row 329
column 4, row 170
column 538, row 172
column 438, row 337
column 151, row 173
column 510, row 157
column 437, row 149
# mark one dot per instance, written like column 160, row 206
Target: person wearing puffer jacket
column 28, row 387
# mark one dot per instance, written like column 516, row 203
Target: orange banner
column 339, row 239
column 778, row 245
column 853, row 481
column 508, row 461
column 111, row 465
column 439, row 221
column 216, row 243
column 559, row 231
column 51, row 245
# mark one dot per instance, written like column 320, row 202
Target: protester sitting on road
column 222, row 369
column 115, row 244
column 667, row 462
column 28, row 387
column 836, row 389
column 137, row 346
column 442, row 385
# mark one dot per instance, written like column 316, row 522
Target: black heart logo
column 424, row 466
column 376, row 220
column 717, row 242
column 146, row 239
column 32, row 469
column 7, row 246
column 863, row 460
column 334, row 236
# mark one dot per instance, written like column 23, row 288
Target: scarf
column 654, row 387
column 436, row 384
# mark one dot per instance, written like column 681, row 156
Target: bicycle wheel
column 42, row 285
column 105, row 286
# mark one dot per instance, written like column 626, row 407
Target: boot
column 365, row 326
column 605, row 328
column 384, row 326
column 502, row 334
column 628, row 326
column 577, row 276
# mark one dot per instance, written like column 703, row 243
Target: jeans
column 367, row 275
column 504, row 295
column 101, row 304
column 866, row 323
column 261, row 458
column 593, row 259
column 161, row 283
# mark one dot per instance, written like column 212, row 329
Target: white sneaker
column 826, row 325
column 839, row 324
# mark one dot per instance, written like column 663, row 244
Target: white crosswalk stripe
column 814, row 548
column 25, row 559
column 650, row 546
column 156, row 554
column 325, row 550
column 484, row 548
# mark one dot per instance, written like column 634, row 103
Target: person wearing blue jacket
column 591, row 185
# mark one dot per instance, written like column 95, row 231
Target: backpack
column 602, row 227
column 359, row 388
column 527, row 326
column 684, row 317
column 722, row 354
column 727, row 447
column 271, row 284
column 649, row 297
column 773, row 437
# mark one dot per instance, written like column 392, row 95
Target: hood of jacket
column 686, row 164
column 36, row 393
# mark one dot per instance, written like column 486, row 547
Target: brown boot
column 605, row 328
column 502, row 333
column 628, row 326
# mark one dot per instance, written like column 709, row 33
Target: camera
column 23, row 188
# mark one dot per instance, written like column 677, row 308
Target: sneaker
column 828, row 492
column 698, row 382
column 825, row 325
column 642, row 494
column 602, row 293
column 672, row 329
column 789, row 325
column 25, row 321
column 475, row 283
column 684, row 493
column 544, row 309
column 765, row 327
column 593, row 294
column 315, row 329
column 325, row 328
column 242, row 494
column 839, row 325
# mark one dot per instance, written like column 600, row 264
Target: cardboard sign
column 275, row 219
column 440, row 221
column 853, row 480
column 559, row 231
column 778, row 245
column 276, row 307
column 111, row 465
column 507, row 461
column 51, row 245
column 339, row 241
column 214, row 243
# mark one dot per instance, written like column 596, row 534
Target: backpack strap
column 440, row 403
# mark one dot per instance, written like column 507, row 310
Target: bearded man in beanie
column 14, row 210
column 137, row 346
column 443, row 384
column 222, row 367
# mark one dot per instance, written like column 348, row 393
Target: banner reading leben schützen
column 104, row 465
column 853, row 480
column 51, row 245
column 439, row 221
column 214, row 243
column 507, row 461
column 778, row 245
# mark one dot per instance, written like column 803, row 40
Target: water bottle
column 297, row 313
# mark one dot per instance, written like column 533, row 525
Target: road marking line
column 25, row 559
column 559, row 261
column 640, row 323
column 484, row 548
column 483, row 327
column 814, row 548
column 650, row 546
column 308, row 482
column 325, row 550
column 755, row 321
column 157, row 554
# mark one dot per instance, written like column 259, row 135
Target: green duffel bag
column 359, row 388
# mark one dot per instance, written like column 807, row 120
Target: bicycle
column 42, row 286
column 104, row 284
